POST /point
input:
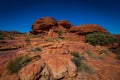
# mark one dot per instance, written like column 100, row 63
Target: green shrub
column 98, row 38
column 36, row 36
column 81, row 66
column 50, row 39
column 86, row 68
column 104, row 51
column 77, row 55
column 90, row 53
column 35, row 49
column 77, row 59
column 60, row 32
column 17, row 63
column 27, row 40
column 76, row 62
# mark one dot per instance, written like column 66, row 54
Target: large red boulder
column 43, row 24
column 88, row 28
column 46, row 24
column 49, row 67
column 65, row 24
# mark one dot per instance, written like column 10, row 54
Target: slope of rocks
column 54, row 62
column 54, row 57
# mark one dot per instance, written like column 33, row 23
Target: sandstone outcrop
column 43, row 24
column 50, row 25
column 87, row 28
column 48, row 68
column 65, row 24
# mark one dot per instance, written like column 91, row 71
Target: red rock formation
column 53, row 68
column 43, row 24
column 54, row 62
column 65, row 24
column 88, row 28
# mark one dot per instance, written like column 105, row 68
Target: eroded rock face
column 50, row 25
column 48, row 68
column 65, row 24
column 88, row 28
column 61, row 66
column 31, row 71
column 43, row 24
column 46, row 24
column 54, row 62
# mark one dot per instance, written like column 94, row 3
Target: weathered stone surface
column 49, row 25
column 10, row 77
column 65, row 24
column 54, row 61
column 43, row 24
column 88, row 28
column 61, row 66
column 58, row 66
column 31, row 71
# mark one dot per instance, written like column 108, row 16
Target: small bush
column 50, row 39
column 78, row 61
column 60, row 32
column 104, row 51
column 98, row 38
column 36, row 36
column 84, row 67
column 75, row 61
column 81, row 66
column 27, row 40
column 17, row 63
column 77, row 55
column 35, row 49
column 91, row 54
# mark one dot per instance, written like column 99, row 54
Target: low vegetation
column 98, row 38
column 80, row 64
column 104, row 52
column 27, row 40
column 101, row 54
column 77, row 55
column 50, row 40
column 35, row 49
column 17, row 63
column 36, row 36
column 9, row 35
column 90, row 53
column 60, row 32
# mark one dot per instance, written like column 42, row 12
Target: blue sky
column 20, row 14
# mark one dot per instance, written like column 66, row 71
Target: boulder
column 61, row 66
column 88, row 28
column 65, row 24
column 31, row 71
column 43, row 24
column 47, row 68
